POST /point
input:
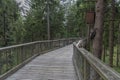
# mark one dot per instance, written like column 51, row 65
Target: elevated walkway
column 67, row 63
column 54, row 65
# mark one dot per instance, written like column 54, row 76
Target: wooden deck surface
column 54, row 65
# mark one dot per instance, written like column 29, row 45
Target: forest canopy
column 35, row 20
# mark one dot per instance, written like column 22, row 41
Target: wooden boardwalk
column 54, row 65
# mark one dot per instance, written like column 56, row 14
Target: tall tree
column 9, row 13
column 97, row 43
column 111, row 33
column 48, row 19
column 37, row 19
column 76, row 26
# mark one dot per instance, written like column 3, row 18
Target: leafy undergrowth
column 115, row 67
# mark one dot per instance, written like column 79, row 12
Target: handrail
column 16, row 56
column 34, row 43
column 89, row 67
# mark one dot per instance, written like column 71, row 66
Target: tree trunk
column 118, row 47
column 48, row 20
column 117, row 58
column 104, row 53
column 111, row 33
column 97, row 42
column 4, row 28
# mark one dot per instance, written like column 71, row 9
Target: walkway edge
column 16, row 68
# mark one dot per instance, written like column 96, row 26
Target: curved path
column 54, row 65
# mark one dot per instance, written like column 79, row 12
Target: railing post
column 22, row 53
column 51, row 44
column 37, row 48
column 25, row 52
column 10, row 59
column 0, row 63
column 64, row 42
column 17, row 54
column 47, row 46
column 38, row 45
column 41, row 46
column 68, row 41
column 6, row 60
column 86, row 70
column 59, row 43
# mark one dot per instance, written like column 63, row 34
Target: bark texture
column 97, row 43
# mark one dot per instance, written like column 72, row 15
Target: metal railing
column 14, row 57
column 89, row 67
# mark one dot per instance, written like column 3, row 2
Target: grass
column 115, row 67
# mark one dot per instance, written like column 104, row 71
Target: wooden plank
column 54, row 65
column 12, row 71
column 102, row 70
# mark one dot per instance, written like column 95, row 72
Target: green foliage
column 65, row 21
column 36, row 20
column 15, row 29
column 76, row 20
column 9, row 13
column 77, row 26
